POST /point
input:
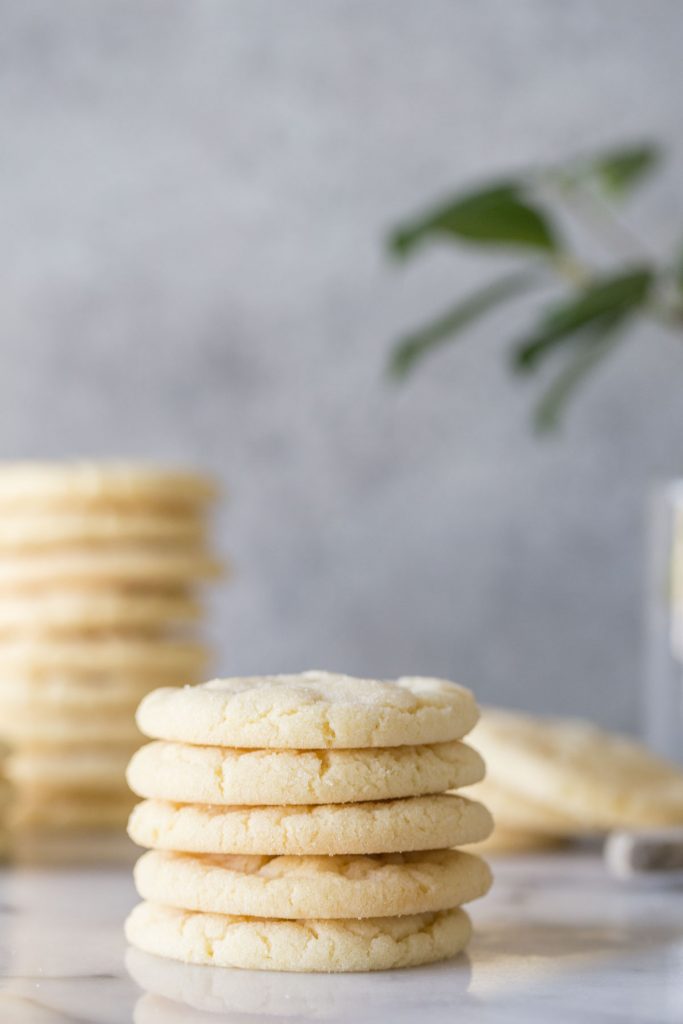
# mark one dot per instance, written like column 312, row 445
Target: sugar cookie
column 389, row 826
column 147, row 565
column 599, row 779
column 505, row 840
column 70, row 810
column 73, row 484
column 308, row 945
column 41, row 724
column 115, row 689
column 87, row 767
column 519, row 814
column 385, row 885
column 90, row 655
column 314, row 710
column 223, row 775
column 43, row 531
column 71, row 609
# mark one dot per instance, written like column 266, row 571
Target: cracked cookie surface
column 308, row 945
column 221, row 775
column 313, row 710
column 385, row 885
column 388, row 826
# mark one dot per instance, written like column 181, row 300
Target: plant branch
column 599, row 218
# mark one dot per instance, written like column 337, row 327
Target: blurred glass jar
column 664, row 647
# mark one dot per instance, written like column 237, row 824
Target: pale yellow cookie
column 148, row 565
column 223, row 775
column 389, row 826
column 89, row 655
column 44, row 531
column 6, row 794
column 385, row 885
column 70, row 810
column 505, row 840
column 39, row 485
column 598, row 779
column 43, row 724
column 70, row 609
column 314, row 710
column 373, row 944
column 87, row 691
column 516, row 813
column 68, row 699
column 87, row 767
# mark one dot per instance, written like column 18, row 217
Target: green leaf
column 588, row 352
column 496, row 215
column 619, row 170
column 415, row 346
column 616, row 296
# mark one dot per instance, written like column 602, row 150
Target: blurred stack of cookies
column 301, row 823
column 551, row 780
column 99, row 569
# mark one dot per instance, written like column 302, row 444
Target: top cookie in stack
column 99, row 565
column 301, row 822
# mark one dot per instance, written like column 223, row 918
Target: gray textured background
column 192, row 200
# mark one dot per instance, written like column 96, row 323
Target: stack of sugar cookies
column 5, row 795
column 99, row 563
column 552, row 779
column 301, row 823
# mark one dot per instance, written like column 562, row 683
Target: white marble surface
column 556, row 940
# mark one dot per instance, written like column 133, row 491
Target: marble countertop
column 556, row 939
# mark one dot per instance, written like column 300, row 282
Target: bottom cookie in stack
column 372, row 944
column 256, row 863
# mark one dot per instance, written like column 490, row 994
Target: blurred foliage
column 520, row 215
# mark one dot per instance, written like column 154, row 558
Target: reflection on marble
column 315, row 997
column 555, row 939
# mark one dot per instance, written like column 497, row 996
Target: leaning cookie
column 504, row 840
column 373, row 944
column 599, row 780
column 518, row 814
